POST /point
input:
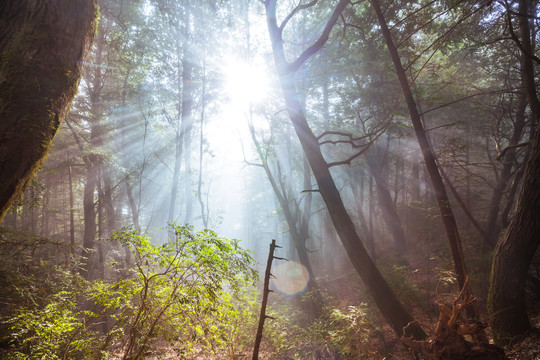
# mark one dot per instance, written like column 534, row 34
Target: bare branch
column 293, row 67
column 295, row 10
column 349, row 135
column 443, row 126
column 348, row 160
column 503, row 151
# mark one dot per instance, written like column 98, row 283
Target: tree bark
column 179, row 139
column 203, row 207
column 492, row 229
column 134, row 209
column 519, row 242
column 266, row 292
column 43, row 45
column 107, row 198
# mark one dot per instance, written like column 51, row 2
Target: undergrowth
column 195, row 292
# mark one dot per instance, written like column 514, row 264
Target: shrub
column 187, row 291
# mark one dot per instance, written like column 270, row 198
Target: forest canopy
column 150, row 150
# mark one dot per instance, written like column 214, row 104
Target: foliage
column 188, row 291
column 346, row 332
column 38, row 316
column 54, row 332
column 400, row 279
column 179, row 290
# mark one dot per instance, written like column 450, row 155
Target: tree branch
column 309, row 191
column 292, row 13
column 499, row 91
column 348, row 160
column 513, row 34
column 503, row 151
column 293, row 67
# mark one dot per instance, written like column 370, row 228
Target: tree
column 43, row 45
column 445, row 208
column 519, row 241
column 376, row 163
column 385, row 299
column 296, row 218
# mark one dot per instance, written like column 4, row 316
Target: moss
column 36, row 91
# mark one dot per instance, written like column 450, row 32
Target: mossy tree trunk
column 43, row 44
column 518, row 243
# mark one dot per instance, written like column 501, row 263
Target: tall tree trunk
column 204, row 209
column 44, row 208
column 94, row 162
column 188, row 89
column 176, row 174
column 71, row 209
column 42, row 47
column 359, row 201
column 308, row 197
column 179, row 134
column 108, row 204
column 134, row 209
column 519, row 242
column 89, row 234
column 387, row 205
column 445, row 208
column 516, row 182
column 11, row 218
column 100, row 226
column 492, row 228
column 384, row 297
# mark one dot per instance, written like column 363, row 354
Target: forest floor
column 383, row 344
column 528, row 347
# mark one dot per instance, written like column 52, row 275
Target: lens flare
column 291, row 278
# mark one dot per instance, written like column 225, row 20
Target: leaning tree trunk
column 447, row 215
column 43, row 44
column 385, row 299
column 518, row 243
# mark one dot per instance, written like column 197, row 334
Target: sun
column 246, row 83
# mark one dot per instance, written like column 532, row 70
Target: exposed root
column 448, row 341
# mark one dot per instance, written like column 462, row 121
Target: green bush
column 188, row 291
column 181, row 290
